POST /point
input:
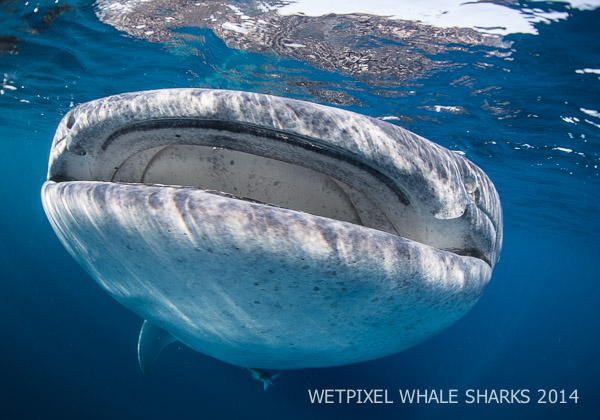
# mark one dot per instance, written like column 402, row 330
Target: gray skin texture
column 396, row 244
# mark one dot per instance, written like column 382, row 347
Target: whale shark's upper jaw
column 319, row 160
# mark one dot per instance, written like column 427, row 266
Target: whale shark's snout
column 269, row 232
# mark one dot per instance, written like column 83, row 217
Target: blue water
column 529, row 117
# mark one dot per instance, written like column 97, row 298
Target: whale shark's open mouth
column 276, row 179
column 268, row 166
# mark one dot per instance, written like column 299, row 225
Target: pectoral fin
column 150, row 343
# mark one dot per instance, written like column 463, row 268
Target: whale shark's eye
column 70, row 121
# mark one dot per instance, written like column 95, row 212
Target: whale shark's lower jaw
column 268, row 232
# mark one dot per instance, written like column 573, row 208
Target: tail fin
column 265, row 377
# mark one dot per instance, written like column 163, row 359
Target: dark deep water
column 528, row 114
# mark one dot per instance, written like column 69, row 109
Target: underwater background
column 514, row 86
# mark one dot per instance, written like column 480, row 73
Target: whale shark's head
column 271, row 232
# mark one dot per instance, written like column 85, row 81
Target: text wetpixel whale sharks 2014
column 443, row 396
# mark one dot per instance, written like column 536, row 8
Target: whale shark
column 270, row 233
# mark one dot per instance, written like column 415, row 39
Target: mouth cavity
column 264, row 165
